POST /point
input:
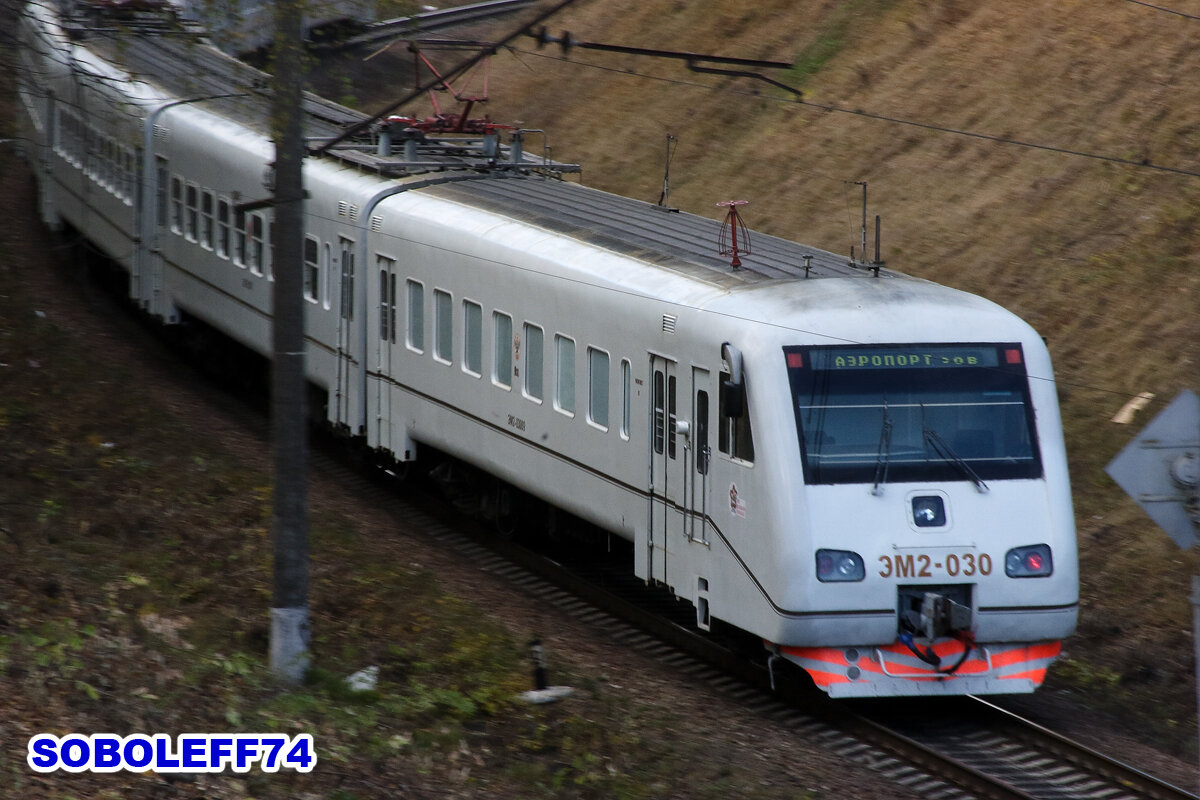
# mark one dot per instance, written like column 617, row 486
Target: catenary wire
column 1164, row 9
column 929, row 126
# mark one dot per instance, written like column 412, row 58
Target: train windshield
column 904, row 413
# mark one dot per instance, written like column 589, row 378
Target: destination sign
column 901, row 357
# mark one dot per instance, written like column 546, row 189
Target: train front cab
column 942, row 537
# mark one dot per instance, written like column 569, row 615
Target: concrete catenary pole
column 289, row 419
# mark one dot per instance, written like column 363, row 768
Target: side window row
column 508, row 350
column 191, row 211
column 111, row 165
column 199, row 215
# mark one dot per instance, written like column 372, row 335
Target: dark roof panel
column 674, row 239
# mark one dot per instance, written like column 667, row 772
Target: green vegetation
column 845, row 26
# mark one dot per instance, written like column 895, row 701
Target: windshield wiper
column 946, row 453
column 884, row 452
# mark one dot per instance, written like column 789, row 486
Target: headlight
column 839, row 565
column 1033, row 561
column 928, row 511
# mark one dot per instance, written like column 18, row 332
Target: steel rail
column 1089, row 759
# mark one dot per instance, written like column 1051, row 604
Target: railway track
column 964, row 748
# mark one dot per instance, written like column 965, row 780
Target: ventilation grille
column 669, row 323
column 162, row 134
column 376, row 223
column 347, row 210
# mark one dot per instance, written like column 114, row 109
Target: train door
column 46, row 141
column 697, row 461
column 667, row 482
column 679, row 462
column 345, row 349
column 381, row 393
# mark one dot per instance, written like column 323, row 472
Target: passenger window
column 416, row 316
column 206, row 220
column 326, row 260
column 534, row 362
column 672, row 417
column 443, row 326
column 176, row 205
column 133, row 176
column 598, row 387
column 626, row 399
column 564, row 370
column 312, row 268
column 387, row 299
column 346, row 248
column 255, row 256
column 472, row 338
column 192, row 213
column 239, row 237
column 660, row 414
column 162, row 178
column 503, row 372
column 223, row 228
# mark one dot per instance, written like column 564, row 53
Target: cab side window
column 735, row 438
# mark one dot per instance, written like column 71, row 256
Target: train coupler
column 939, row 616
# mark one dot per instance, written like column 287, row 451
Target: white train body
column 892, row 509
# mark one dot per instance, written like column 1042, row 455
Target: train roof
column 525, row 187
column 181, row 63
column 672, row 239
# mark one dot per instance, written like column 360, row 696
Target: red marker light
column 1012, row 356
column 795, row 360
column 1034, row 562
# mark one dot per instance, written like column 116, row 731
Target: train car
column 863, row 469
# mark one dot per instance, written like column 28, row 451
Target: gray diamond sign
column 1160, row 469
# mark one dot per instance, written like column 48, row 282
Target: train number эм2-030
column 923, row 565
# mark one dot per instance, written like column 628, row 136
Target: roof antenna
column 732, row 226
column 861, row 261
column 666, row 190
column 879, row 262
column 864, row 222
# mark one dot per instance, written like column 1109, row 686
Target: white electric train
column 864, row 469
